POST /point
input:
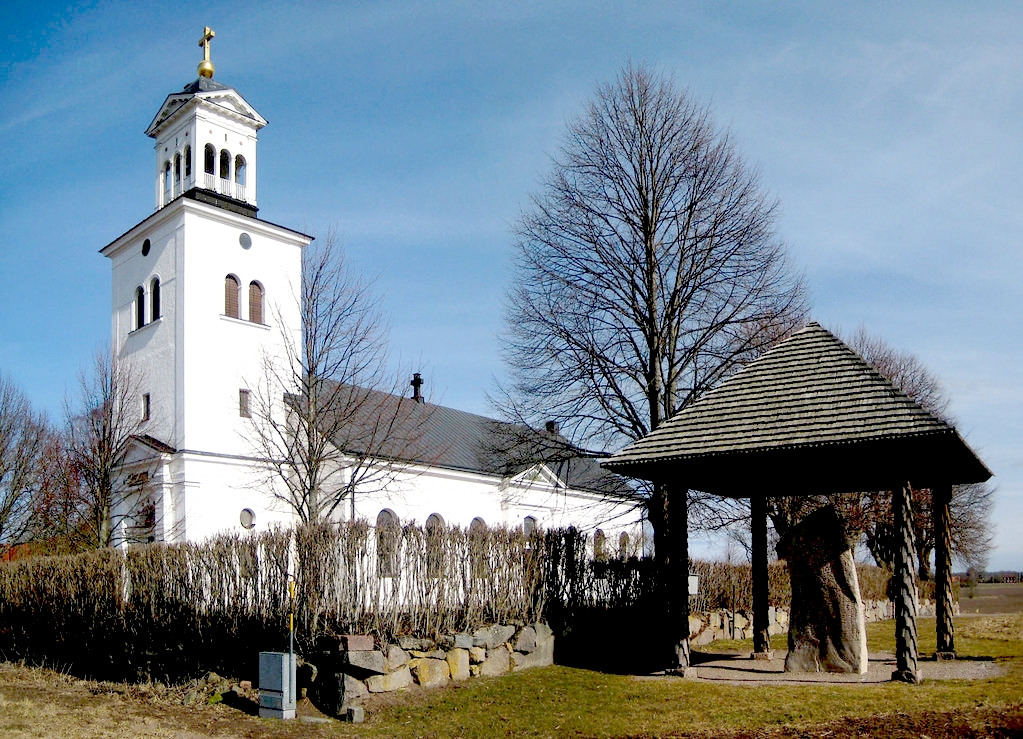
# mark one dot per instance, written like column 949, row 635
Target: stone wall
column 343, row 670
column 705, row 628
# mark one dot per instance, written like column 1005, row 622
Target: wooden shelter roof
column 808, row 416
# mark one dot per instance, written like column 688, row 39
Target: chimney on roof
column 417, row 385
column 552, row 427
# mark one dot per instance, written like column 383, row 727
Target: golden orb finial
column 206, row 66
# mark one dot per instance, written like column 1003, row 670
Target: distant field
column 991, row 598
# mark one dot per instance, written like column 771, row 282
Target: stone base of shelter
column 721, row 625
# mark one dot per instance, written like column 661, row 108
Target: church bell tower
column 204, row 293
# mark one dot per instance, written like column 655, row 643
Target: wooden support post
column 904, row 580
column 943, row 572
column 758, row 529
column 673, row 562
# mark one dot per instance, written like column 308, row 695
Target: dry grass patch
column 560, row 701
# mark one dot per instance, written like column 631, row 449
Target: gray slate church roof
column 439, row 436
column 809, row 391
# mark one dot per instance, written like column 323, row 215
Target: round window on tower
column 145, row 248
column 245, row 240
column 247, row 518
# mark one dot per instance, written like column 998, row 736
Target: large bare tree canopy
column 648, row 267
column 100, row 427
column 325, row 419
column 24, row 439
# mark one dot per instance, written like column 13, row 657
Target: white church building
column 202, row 290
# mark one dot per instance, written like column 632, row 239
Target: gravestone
column 826, row 623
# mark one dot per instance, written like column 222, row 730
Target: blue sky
column 890, row 134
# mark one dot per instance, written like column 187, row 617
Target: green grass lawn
column 561, row 701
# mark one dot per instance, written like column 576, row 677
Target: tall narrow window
column 211, row 159
column 231, row 288
column 146, row 406
column 154, row 297
column 244, row 410
column 623, row 546
column 434, row 545
column 478, row 548
column 177, row 173
column 528, row 525
column 166, row 182
column 255, row 302
column 388, row 534
column 239, row 169
column 140, row 307
column 225, row 164
column 188, row 162
column 599, row 545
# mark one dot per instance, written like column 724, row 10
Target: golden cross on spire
column 207, row 36
column 206, row 66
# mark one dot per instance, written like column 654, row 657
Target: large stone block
column 458, row 664
column 396, row 680
column 492, row 636
column 542, row 656
column 353, row 691
column 431, row 673
column 410, row 643
column 356, row 642
column 394, row 657
column 741, row 622
column 525, row 640
column 333, row 692
column 543, row 631
column 363, row 664
column 498, row 662
column 826, row 621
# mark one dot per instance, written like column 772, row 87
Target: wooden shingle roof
column 810, row 401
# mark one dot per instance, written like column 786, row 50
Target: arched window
column 177, row 173
column 154, row 298
column 188, row 162
column 231, row 288
column 225, row 164
column 211, row 159
column 239, row 169
column 599, row 545
column 434, row 545
column 529, row 525
column 166, row 182
column 388, row 532
column 623, row 546
column 140, row 307
column 478, row 548
column 255, row 302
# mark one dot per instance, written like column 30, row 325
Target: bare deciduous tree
column 100, row 427
column 647, row 270
column 324, row 420
column 24, row 436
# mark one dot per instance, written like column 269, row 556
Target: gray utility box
column 277, row 685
